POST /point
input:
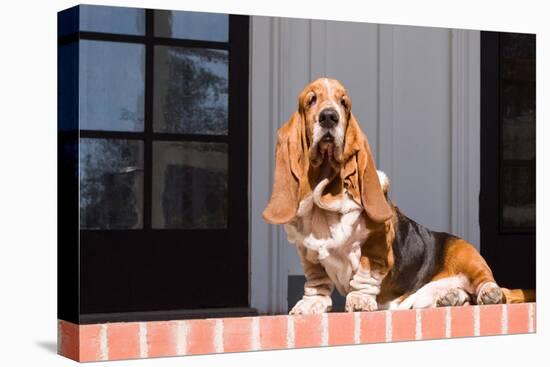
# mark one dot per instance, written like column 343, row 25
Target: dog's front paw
column 357, row 301
column 311, row 305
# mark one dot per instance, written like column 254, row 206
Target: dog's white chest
column 331, row 238
column 341, row 265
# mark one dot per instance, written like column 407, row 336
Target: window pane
column 112, row 86
column 518, row 196
column 189, row 185
column 111, row 184
column 518, row 120
column 518, row 96
column 522, row 45
column 518, row 135
column 190, row 91
column 192, row 25
column 109, row 19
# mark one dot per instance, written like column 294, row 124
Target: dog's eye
column 343, row 102
column 312, row 100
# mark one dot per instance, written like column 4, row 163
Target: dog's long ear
column 372, row 196
column 289, row 159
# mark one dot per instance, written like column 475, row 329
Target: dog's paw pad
column 452, row 297
column 312, row 305
column 489, row 294
column 356, row 301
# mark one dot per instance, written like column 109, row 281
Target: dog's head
column 325, row 107
column 322, row 142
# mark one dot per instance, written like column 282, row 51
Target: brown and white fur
column 333, row 204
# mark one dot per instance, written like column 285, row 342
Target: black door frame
column 90, row 262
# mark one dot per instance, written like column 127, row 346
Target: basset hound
column 334, row 206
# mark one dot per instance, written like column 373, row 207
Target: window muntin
column 190, row 101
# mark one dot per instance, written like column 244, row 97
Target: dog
column 334, row 206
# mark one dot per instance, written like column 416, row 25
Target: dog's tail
column 384, row 182
column 519, row 295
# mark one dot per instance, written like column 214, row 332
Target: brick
column 161, row 338
column 273, row 332
column 307, row 330
column 433, row 322
column 518, row 318
column 373, row 327
column 490, row 319
column 341, row 327
column 68, row 340
column 123, row 340
column 237, row 334
column 403, row 325
column 462, row 321
column 90, row 349
column 200, row 336
column 534, row 305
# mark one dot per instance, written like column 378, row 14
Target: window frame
column 131, row 245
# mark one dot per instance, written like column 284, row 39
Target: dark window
column 517, row 137
column 111, row 183
column 201, row 168
column 153, row 119
column 507, row 200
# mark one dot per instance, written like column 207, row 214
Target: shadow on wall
column 296, row 291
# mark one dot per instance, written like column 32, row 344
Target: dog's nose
column 328, row 118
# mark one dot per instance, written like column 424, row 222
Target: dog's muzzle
column 328, row 138
column 326, row 145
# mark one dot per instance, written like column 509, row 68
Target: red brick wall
column 113, row 341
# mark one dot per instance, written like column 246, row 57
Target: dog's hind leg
column 445, row 291
column 462, row 258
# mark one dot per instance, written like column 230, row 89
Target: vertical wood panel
column 351, row 57
column 318, row 62
column 465, row 110
column 296, row 71
column 385, row 99
column 267, row 281
column 421, row 119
